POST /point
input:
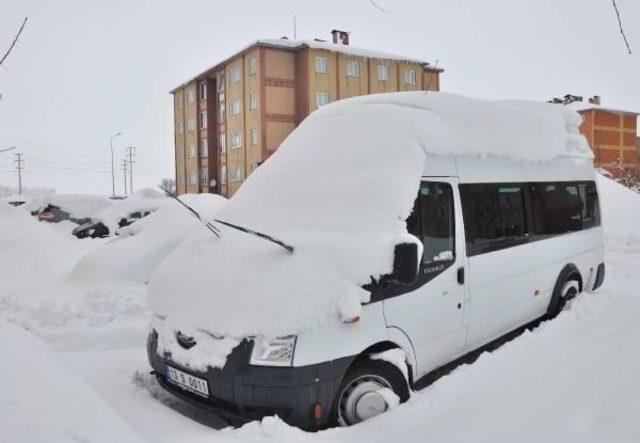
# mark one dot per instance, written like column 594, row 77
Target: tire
column 564, row 291
column 359, row 385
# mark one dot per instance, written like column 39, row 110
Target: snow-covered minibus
column 389, row 235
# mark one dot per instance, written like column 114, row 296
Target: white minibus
column 388, row 236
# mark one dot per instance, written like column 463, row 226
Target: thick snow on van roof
column 339, row 190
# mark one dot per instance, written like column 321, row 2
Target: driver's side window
column 432, row 221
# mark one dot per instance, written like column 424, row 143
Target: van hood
column 339, row 190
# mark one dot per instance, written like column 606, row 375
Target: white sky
column 84, row 70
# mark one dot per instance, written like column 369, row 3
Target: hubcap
column 360, row 400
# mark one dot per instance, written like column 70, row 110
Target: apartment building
column 612, row 134
column 232, row 117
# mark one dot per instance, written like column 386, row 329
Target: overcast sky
column 84, row 70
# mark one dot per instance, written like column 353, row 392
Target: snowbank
column 620, row 207
column 339, row 190
column 141, row 246
column 28, row 247
column 42, row 402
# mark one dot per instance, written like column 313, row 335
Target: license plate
column 186, row 381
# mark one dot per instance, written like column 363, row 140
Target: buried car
column 97, row 229
column 388, row 236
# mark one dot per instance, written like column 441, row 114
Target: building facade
column 232, row 117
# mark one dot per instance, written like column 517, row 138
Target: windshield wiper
column 216, row 231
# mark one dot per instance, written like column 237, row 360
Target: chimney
column 595, row 100
column 340, row 37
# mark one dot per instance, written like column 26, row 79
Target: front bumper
column 240, row 392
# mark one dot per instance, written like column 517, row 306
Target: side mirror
column 405, row 264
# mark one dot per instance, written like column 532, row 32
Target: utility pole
column 131, row 155
column 124, row 170
column 19, row 166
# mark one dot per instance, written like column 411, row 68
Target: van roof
column 457, row 125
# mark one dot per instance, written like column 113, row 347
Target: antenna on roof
column 294, row 27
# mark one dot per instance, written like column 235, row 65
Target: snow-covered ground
column 73, row 359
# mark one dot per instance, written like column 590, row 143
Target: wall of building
column 611, row 135
column 179, row 137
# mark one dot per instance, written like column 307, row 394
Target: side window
column 559, row 208
column 437, row 222
column 494, row 216
column 432, row 221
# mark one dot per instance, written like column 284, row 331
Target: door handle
column 461, row 275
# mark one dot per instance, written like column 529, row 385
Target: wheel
column 569, row 289
column 359, row 396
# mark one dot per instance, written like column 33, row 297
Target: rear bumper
column 240, row 392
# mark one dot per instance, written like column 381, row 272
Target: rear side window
column 494, row 216
column 559, row 208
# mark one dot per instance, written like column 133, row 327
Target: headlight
column 273, row 352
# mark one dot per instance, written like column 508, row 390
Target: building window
column 191, row 96
column 410, row 76
column 253, row 100
column 179, row 127
column 204, row 147
column 236, row 173
column 203, row 91
column 321, row 65
column 221, row 113
column 191, row 124
column 235, row 107
column 192, row 151
column 353, row 69
column 235, row 74
column 236, row 140
column 205, row 176
column 253, row 66
column 322, row 98
column 193, row 178
column 223, row 143
column 221, row 82
column 253, row 136
column 383, row 73
column 223, row 174
column 203, row 119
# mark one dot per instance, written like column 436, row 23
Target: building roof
column 586, row 106
column 295, row 45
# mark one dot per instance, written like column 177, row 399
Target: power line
column 378, row 7
column 624, row 37
column 13, row 43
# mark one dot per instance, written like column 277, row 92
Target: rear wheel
column 567, row 291
column 363, row 392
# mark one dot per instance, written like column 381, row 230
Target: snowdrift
column 339, row 190
column 620, row 207
column 41, row 401
column 141, row 246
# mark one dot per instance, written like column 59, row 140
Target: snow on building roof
column 316, row 44
column 338, row 189
column 586, row 106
